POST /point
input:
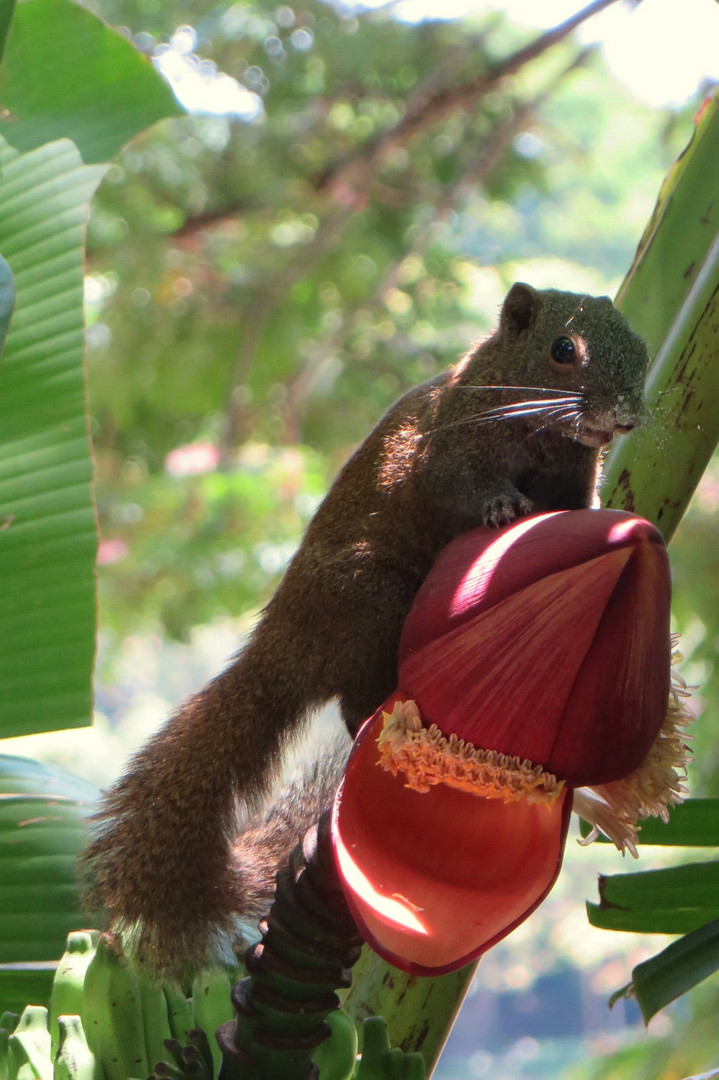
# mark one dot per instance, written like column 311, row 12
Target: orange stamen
column 426, row 757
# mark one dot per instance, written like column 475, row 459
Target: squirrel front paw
column 505, row 508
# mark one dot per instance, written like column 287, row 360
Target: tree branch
column 343, row 182
column 435, row 105
column 299, row 388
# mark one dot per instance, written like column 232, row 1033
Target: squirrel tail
column 264, row 846
column 160, row 862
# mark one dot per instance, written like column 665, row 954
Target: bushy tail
column 160, row 863
column 264, row 846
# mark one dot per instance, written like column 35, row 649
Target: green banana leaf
column 678, row 900
column 674, row 970
column 6, row 13
column 113, row 94
column 47, row 620
column 694, row 823
column 43, row 812
column 47, row 533
column 47, row 517
column 673, row 900
column 7, row 299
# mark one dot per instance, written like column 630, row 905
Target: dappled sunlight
column 198, row 84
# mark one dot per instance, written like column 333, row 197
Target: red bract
column 548, row 640
column 535, row 659
column 433, row 878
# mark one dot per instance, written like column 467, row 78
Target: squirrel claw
column 504, row 509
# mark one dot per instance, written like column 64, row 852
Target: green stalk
column 678, row 237
column 655, row 471
column 308, row 948
column 419, row 1011
column 669, row 297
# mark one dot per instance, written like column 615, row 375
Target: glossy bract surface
column 542, row 648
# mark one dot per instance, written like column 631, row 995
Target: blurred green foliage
column 272, row 283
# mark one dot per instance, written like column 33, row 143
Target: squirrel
column 516, row 426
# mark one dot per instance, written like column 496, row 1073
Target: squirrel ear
column 520, row 308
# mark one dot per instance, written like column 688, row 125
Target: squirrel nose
column 618, row 419
column 627, row 416
column 624, row 425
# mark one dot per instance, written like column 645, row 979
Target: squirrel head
column 577, row 344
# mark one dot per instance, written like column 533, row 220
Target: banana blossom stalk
column 534, row 676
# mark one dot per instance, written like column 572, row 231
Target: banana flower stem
column 309, row 944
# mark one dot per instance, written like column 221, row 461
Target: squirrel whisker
column 518, row 410
column 531, row 389
column 526, row 408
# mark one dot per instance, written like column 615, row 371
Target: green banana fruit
column 4, row 1054
column 123, row 1025
column 109, row 1022
column 66, row 998
column 381, row 1062
column 337, row 1055
column 112, row 1013
column 211, row 1006
column 74, row 1060
column 179, row 1010
column 8, row 1023
column 155, row 1019
column 29, row 1046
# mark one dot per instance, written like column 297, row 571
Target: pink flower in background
column 111, row 551
column 192, row 459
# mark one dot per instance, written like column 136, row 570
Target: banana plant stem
column 309, row 945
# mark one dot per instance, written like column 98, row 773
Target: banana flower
column 534, row 676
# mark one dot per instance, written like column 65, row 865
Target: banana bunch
column 107, row 1022
column 380, row 1061
column 337, row 1058
column 28, row 1046
column 132, row 1024
column 66, row 998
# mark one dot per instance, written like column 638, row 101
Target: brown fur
column 265, row 845
column 432, row 468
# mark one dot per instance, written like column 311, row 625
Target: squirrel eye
column 563, row 351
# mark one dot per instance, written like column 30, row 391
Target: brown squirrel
column 515, row 427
